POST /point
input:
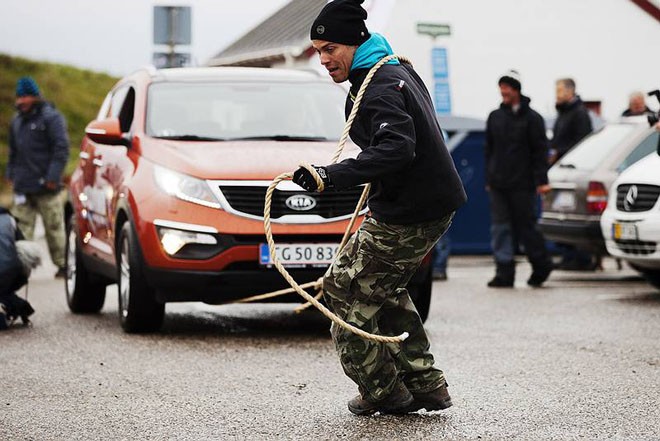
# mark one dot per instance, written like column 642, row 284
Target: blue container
column 470, row 231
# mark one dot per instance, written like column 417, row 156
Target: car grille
column 330, row 204
column 636, row 197
column 636, row 247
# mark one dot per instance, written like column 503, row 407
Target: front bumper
column 216, row 287
column 643, row 252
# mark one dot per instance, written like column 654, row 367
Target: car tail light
column 596, row 197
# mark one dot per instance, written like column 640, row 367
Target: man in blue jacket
column 415, row 191
column 38, row 153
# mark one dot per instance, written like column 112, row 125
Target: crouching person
column 14, row 271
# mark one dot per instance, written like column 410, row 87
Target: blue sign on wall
column 442, row 97
column 441, row 91
column 439, row 62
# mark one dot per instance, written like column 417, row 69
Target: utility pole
column 172, row 27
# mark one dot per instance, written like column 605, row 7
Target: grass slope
column 77, row 93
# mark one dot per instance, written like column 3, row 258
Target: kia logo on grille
column 630, row 199
column 301, row 202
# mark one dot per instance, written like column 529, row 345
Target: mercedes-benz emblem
column 630, row 198
column 300, row 202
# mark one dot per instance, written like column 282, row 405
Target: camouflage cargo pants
column 366, row 286
column 51, row 209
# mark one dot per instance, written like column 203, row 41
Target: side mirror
column 106, row 131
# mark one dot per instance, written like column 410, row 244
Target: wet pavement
column 578, row 359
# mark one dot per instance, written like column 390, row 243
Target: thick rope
column 269, row 234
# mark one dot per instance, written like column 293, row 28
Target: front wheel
column 83, row 293
column 420, row 292
column 653, row 277
column 138, row 309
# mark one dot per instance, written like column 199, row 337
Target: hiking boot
column 499, row 282
column 26, row 312
column 505, row 273
column 61, row 273
column 539, row 275
column 437, row 399
column 395, row 403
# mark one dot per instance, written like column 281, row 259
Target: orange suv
column 168, row 196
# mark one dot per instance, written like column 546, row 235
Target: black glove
column 304, row 178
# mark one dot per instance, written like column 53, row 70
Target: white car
column 631, row 222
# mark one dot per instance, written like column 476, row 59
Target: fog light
column 173, row 240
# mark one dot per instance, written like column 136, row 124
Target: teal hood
column 371, row 52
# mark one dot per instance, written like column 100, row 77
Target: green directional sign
column 433, row 29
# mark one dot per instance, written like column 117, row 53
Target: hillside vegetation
column 77, row 93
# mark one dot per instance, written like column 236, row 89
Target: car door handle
column 84, row 155
column 97, row 162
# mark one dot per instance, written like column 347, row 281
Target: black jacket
column 572, row 124
column 38, row 149
column 628, row 112
column 516, row 148
column 404, row 155
column 11, row 274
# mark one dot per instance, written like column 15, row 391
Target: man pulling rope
column 415, row 191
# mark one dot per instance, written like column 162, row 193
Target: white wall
column 610, row 48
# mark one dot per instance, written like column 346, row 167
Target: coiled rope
column 300, row 289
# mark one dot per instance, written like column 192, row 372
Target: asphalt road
column 578, row 359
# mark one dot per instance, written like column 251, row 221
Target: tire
column 653, row 277
column 84, row 295
column 138, row 309
column 419, row 289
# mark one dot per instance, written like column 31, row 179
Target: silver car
column 580, row 181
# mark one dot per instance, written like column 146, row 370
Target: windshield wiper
column 566, row 166
column 280, row 138
column 189, row 138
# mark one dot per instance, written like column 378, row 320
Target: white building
column 609, row 47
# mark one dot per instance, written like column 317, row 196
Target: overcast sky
column 116, row 36
column 608, row 46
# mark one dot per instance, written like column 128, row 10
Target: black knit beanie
column 341, row 21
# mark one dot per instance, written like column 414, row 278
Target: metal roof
column 282, row 34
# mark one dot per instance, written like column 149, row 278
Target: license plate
column 624, row 231
column 564, row 201
column 300, row 254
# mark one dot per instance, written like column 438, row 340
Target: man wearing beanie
column 516, row 171
column 38, row 153
column 414, row 194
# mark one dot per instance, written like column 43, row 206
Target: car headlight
column 185, row 187
column 173, row 240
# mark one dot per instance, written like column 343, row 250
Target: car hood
column 235, row 160
column 645, row 171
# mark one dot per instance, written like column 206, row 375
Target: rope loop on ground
column 269, row 234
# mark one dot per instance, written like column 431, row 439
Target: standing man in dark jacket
column 573, row 122
column 38, row 153
column 516, row 171
column 415, row 191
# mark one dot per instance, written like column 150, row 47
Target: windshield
column 226, row 111
column 596, row 147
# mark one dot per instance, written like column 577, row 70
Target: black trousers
column 513, row 218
